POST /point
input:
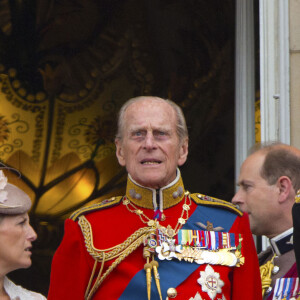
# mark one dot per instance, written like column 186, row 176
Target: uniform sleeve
column 296, row 223
column 246, row 278
column 70, row 270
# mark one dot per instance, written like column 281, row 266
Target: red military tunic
column 111, row 223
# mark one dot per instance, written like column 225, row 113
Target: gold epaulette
column 297, row 197
column 98, row 206
column 207, row 200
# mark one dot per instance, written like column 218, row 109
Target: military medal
column 194, row 246
column 167, row 247
column 278, row 289
column 210, row 282
column 201, row 247
column 286, row 288
column 295, row 288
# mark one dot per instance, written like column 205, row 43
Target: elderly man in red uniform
column 157, row 241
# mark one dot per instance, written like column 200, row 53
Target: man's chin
column 254, row 229
column 151, row 182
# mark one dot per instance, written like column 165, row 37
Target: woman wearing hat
column 16, row 237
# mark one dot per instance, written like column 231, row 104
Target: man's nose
column 149, row 142
column 237, row 198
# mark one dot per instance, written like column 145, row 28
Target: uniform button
column 172, row 293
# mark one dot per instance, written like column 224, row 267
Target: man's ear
column 183, row 152
column 119, row 152
column 285, row 187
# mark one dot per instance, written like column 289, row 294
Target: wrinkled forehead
column 152, row 112
column 149, row 105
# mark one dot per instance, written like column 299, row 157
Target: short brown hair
column 280, row 160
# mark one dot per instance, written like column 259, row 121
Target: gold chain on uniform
column 121, row 251
column 169, row 231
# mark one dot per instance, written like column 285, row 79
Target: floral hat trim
column 19, row 203
column 3, row 183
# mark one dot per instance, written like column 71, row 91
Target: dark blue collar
column 283, row 242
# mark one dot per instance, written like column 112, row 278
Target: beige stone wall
column 294, row 9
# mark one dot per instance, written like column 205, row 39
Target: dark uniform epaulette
column 98, row 206
column 207, row 200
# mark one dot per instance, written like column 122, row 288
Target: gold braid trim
column 266, row 273
column 211, row 201
column 120, row 252
column 112, row 252
column 124, row 254
column 95, row 207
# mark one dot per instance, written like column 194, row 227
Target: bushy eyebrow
column 167, row 131
column 157, row 129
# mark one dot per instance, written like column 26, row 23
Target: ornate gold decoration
column 120, row 252
column 168, row 231
column 241, row 259
column 136, row 238
column 100, row 129
column 140, row 195
column 297, row 197
column 155, row 265
column 4, row 130
column 266, row 273
column 207, row 200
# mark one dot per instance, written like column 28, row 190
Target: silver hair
column 182, row 130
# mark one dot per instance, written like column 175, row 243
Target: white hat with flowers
column 13, row 200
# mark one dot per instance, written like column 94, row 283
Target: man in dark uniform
column 268, row 181
column 296, row 224
column 158, row 241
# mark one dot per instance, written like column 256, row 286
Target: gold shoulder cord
column 120, row 252
column 265, row 274
column 207, row 200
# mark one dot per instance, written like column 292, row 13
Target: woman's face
column 16, row 237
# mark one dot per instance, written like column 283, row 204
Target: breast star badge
column 197, row 297
column 210, row 282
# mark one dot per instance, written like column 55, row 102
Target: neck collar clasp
column 164, row 197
